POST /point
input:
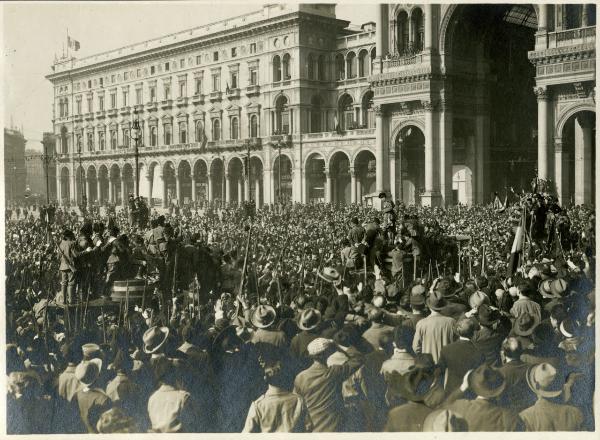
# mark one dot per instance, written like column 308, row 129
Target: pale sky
column 34, row 32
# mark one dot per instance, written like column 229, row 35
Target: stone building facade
column 217, row 107
column 14, row 165
column 437, row 104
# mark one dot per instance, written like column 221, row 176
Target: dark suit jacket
column 458, row 358
column 517, row 395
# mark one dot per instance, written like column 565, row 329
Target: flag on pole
column 72, row 43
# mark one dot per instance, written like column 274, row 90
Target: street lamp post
column 223, row 184
column 46, row 158
column 136, row 134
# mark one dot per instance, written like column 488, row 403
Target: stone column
column 380, row 121
column 542, row 17
column 267, row 186
column 58, row 188
column 193, row 187
column 227, row 188
column 111, row 190
column 246, row 187
column 149, row 178
column 428, row 44
column 327, row 187
column 299, row 192
column 209, row 195
column 561, row 172
column 381, row 33
column 583, row 159
column 73, row 188
column 257, row 192
column 88, row 191
column 394, row 165
column 123, row 191
column 352, row 185
column 446, row 153
column 163, row 183
column 358, row 191
column 178, row 188
column 99, row 189
column 240, row 193
column 543, row 99
column 431, row 197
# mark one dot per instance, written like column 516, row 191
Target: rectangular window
column 138, row 96
column 166, row 67
column 89, row 84
column 198, row 86
column 233, row 52
column 90, row 105
column 253, row 77
column 79, row 106
column 101, row 103
column 215, row 56
column 152, row 94
column 138, row 73
column 285, row 122
column 126, row 76
column 167, row 134
column 151, row 70
column 125, row 96
column 198, row 60
column 126, row 138
column 216, row 82
column 167, row 91
column 101, row 82
column 234, row 82
column 252, row 47
column 182, row 132
column 181, row 63
column 182, row 89
column 113, row 100
column 112, row 79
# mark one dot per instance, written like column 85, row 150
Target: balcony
column 354, row 133
column 233, row 93
column 166, row 104
column 125, row 110
column 77, row 118
column 138, row 108
column 100, row 114
column 112, row 112
column 215, row 96
column 151, row 106
column 182, row 102
column 252, row 90
column 198, row 98
column 89, row 116
column 571, row 37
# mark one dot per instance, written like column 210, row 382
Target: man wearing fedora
column 263, row 318
column 308, row 322
column 435, row 331
column 483, row 412
column 92, row 401
column 549, row 413
column 517, row 394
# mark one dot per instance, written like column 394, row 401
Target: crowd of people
column 303, row 318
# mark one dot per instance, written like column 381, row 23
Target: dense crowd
column 302, row 318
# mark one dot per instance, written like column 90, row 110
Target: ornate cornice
column 542, row 93
column 561, row 54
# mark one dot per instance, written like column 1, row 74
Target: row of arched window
column 281, row 68
column 63, row 107
column 409, row 32
column 353, row 66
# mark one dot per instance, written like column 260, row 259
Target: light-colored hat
column 477, row 298
column 88, row 371
column 154, row 338
column 330, row 275
column 263, row 316
column 90, row 351
column 319, row 346
column 544, row 380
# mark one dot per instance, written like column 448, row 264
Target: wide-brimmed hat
column 88, row 371
column 487, row 382
column 569, row 328
column 309, row 319
column 226, row 338
column 436, row 301
column 558, row 287
column 263, row 316
column 525, row 324
column 544, row 380
column 478, row 298
column 90, row 351
column 413, row 385
column 330, row 275
column 154, row 338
